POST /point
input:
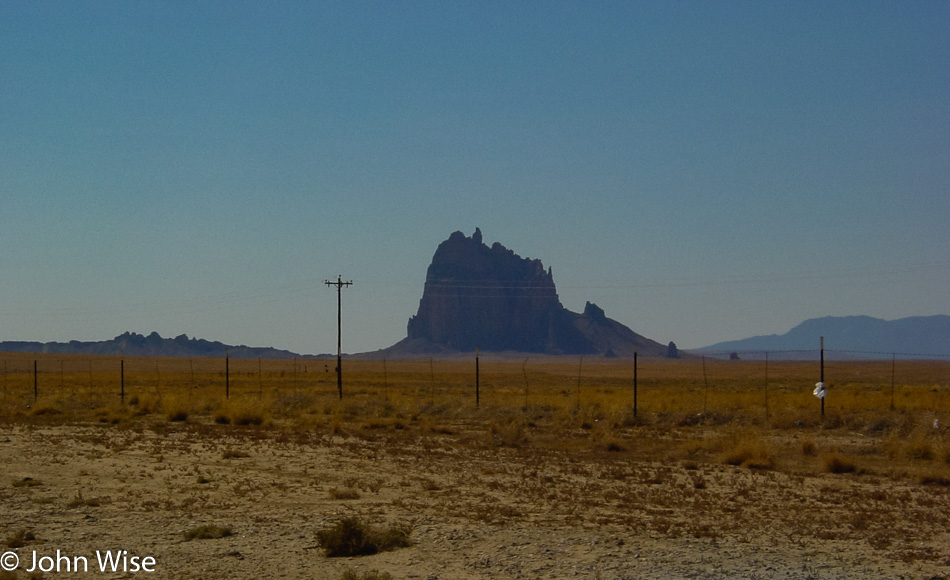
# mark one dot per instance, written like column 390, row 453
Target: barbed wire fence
column 696, row 384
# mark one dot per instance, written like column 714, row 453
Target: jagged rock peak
column 491, row 298
column 594, row 312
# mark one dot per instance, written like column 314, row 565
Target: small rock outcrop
column 490, row 298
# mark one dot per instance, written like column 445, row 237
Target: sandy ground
column 476, row 510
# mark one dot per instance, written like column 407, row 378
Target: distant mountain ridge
column 132, row 344
column 918, row 336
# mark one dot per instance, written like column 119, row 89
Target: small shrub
column 508, row 433
column 920, row 449
column 753, row 453
column 429, row 484
column 177, row 415
column 344, row 494
column 809, row 448
column 835, row 463
column 351, row 537
column 240, row 412
column 19, row 539
column 934, row 479
column 145, row 405
column 80, row 501
column 208, row 532
column 27, row 482
column 370, row 575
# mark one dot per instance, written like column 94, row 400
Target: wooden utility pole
column 339, row 336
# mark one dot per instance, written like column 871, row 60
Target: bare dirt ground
column 476, row 510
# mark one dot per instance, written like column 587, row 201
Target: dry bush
column 369, row 575
column 935, row 478
column 27, row 482
column 20, row 538
column 242, row 411
column 208, row 532
column 749, row 450
column 507, row 432
column 809, row 448
column 344, row 494
column 176, row 407
column 80, row 501
column 146, row 404
column 46, row 409
column 352, row 537
column 836, row 463
column 234, row 454
column 919, row 447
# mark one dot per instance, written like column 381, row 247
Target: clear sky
column 703, row 171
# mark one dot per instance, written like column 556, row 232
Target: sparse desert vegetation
column 551, row 474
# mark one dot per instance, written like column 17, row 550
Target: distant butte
column 492, row 299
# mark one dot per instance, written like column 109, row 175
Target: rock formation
column 134, row 344
column 490, row 298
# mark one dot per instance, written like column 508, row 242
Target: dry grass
column 729, row 416
column 715, row 465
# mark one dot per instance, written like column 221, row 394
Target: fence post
column 635, row 383
column 227, row 375
column 122, row 381
column 580, row 365
column 431, row 381
column 476, row 379
column 822, row 376
column 705, row 388
column 893, row 365
column 766, row 384
column 35, row 381
column 524, row 373
column 385, row 380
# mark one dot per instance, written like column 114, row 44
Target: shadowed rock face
column 495, row 300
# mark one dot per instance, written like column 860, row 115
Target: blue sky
column 703, row 171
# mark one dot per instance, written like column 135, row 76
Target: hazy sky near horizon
column 703, row 171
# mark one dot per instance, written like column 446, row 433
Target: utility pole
column 339, row 336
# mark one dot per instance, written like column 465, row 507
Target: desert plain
column 181, row 469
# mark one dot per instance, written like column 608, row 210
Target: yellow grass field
column 726, row 469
